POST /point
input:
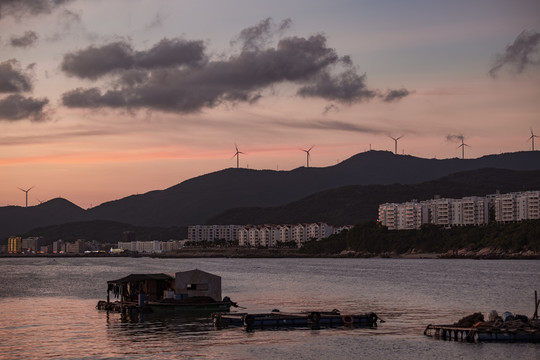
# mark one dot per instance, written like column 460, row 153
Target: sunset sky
column 102, row 99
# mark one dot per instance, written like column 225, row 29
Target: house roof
column 140, row 277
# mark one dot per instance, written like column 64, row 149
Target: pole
column 536, row 303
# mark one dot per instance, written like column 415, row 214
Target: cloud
column 455, row 138
column 177, row 75
column 69, row 23
column 330, row 125
column 156, row 23
column 346, row 87
column 17, row 107
column 259, row 36
column 13, row 78
column 395, row 95
column 20, row 8
column 522, row 53
column 95, row 62
column 92, row 98
column 330, row 107
column 29, row 38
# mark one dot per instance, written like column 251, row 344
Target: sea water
column 47, row 308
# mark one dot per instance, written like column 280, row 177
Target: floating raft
column 476, row 334
column 277, row 319
column 117, row 306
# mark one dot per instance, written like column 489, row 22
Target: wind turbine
column 307, row 155
column 532, row 138
column 395, row 141
column 237, row 154
column 26, row 191
column 462, row 146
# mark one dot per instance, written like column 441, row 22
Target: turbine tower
column 307, row 155
column 532, row 138
column 26, row 192
column 237, row 154
column 395, row 141
column 462, row 146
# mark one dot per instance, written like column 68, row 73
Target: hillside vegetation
column 358, row 204
column 373, row 238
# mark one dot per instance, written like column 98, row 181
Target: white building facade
column 213, row 232
column 274, row 235
column 472, row 210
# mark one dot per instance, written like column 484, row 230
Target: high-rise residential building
column 472, row 210
column 14, row 245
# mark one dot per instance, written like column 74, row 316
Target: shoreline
column 486, row 254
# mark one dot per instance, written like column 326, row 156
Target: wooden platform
column 310, row 319
column 477, row 334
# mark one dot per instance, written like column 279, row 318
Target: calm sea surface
column 47, row 308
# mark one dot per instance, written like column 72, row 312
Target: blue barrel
column 507, row 316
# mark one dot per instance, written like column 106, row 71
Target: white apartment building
column 141, row 246
column 505, row 207
column 273, row 235
column 213, row 232
column 284, row 233
column 440, row 212
column 409, row 215
column 528, row 205
column 472, row 210
column 388, row 215
column 318, row 231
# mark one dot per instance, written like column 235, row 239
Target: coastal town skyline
column 102, row 100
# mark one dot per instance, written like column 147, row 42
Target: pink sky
column 439, row 52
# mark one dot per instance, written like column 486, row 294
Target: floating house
column 193, row 290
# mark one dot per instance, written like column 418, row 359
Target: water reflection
column 48, row 310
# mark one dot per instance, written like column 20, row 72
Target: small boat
column 278, row 319
column 186, row 291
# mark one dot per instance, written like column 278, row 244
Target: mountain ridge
column 198, row 199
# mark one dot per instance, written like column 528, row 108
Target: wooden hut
column 197, row 283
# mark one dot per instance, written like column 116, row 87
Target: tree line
column 374, row 238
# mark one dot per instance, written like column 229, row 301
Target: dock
column 309, row 319
column 505, row 328
column 478, row 334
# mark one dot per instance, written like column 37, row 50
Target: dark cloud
column 455, row 138
column 13, row 78
column 176, row 75
column 347, row 87
column 395, row 95
column 331, row 125
column 94, row 62
column 92, row 98
column 259, row 36
column 17, row 107
column 171, row 52
column 521, row 54
column 20, row 8
column 330, row 107
column 29, row 38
